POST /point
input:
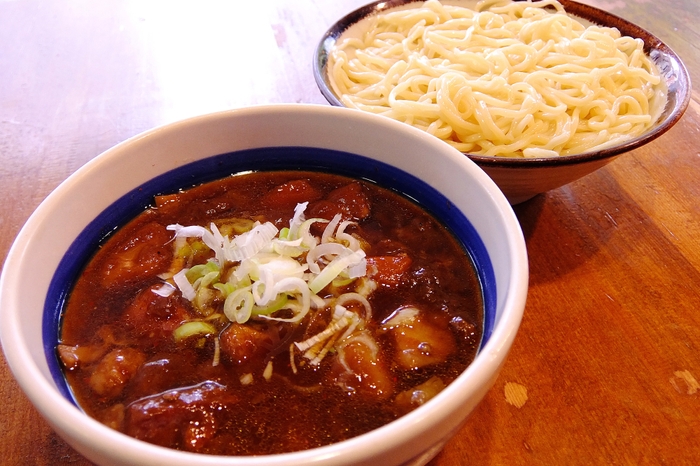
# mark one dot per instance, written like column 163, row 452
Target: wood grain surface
column 606, row 366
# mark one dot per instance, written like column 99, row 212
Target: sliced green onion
column 332, row 270
column 288, row 248
column 238, row 306
column 342, row 281
column 202, row 301
column 275, row 305
column 224, row 288
column 209, row 278
column 308, row 239
column 192, row 328
column 198, row 271
column 277, row 269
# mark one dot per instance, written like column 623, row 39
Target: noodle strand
column 517, row 79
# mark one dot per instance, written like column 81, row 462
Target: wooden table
column 608, row 354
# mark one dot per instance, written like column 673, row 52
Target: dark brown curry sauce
column 126, row 369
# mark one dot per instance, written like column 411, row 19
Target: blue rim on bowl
column 263, row 159
column 52, row 229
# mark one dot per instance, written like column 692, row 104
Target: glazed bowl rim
column 83, row 430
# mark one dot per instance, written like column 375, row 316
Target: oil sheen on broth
column 270, row 312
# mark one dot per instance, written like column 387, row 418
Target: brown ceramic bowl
column 521, row 179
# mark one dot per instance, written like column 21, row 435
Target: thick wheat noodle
column 520, row 79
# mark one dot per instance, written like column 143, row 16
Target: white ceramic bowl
column 521, row 179
column 112, row 187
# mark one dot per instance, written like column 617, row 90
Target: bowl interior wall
column 261, row 159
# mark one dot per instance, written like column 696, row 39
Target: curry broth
column 245, row 389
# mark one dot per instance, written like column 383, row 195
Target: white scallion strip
column 217, row 242
column 336, row 325
column 318, row 302
column 362, row 337
column 194, row 231
column 165, row 290
column 402, row 316
column 349, row 297
column 217, row 352
column 333, row 269
column 184, row 285
column 292, row 363
column 279, row 266
column 357, row 270
column 293, row 248
column 354, row 325
column 297, row 220
column 340, row 234
column 264, row 288
column 330, row 228
column 251, row 242
column 316, row 347
column 324, row 250
column 267, row 373
column 307, row 239
column 316, row 360
column 366, row 286
column 267, row 271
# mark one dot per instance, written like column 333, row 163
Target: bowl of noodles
column 538, row 94
column 233, row 295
